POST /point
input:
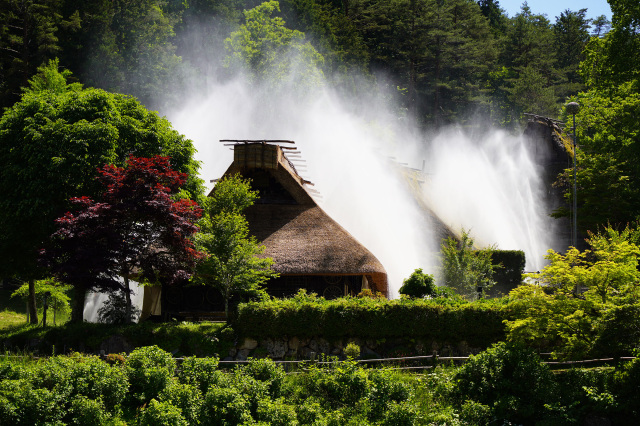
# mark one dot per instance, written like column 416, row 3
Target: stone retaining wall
column 295, row 349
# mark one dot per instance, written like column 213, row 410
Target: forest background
column 440, row 63
column 448, row 61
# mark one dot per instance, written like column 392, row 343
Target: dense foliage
column 449, row 59
column 466, row 269
column 580, row 298
column 442, row 319
column 231, row 261
column 147, row 387
column 134, row 229
column 51, row 143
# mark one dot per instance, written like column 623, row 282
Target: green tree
column 56, row 294
column 419, row 285
column 571, row 34
column 575, row 291
column 271, row 52
column 28, row 38
column 464, row 268
column 232, row 261
column 52, row 142
column 527, row 54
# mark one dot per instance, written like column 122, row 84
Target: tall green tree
column 608, row 174
column 232, row 261
column 571, row 34
column 52, row 142
column 28, row 38
column 270, row 52
column 465, row 268
column 530, row 60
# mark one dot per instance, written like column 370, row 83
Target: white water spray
column 489, row 186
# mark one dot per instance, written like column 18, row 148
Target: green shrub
column 475, row 413
column 91, row 377
column 276, row 413
column 199, row 372
column 386, row 388
column 150, row 370
column 618, row 332
column 352, row 350
column 580, row 392
column 508, row 269
column 86, row 412
column 159, row 413
column 310, row 412
column 509, row 379
column 442, row 320
column 21, row 404
column 401, row 414
column 265, row 370
column 186, row 397
column 343, row 384
column 419, row 285
column 627, row 384
column 225, row 406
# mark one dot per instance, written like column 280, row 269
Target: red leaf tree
column 135, row 229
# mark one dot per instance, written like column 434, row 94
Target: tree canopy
column 232, row 261
column 134, row 229
column 51, row 144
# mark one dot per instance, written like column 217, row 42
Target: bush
column 442, row 320
column 21, row 404
column 199, row 372
column 150, row 370
column 187, row 398
column 225, row 406
column 352, row 350
column 509, row 379
column 386, row 389
column 265, row 370
column 161, row 414
column 87, row 412
column 276, row 413
column 91, row 377
column 400, row 414
column 627, row 384
column 419, row 285
column 508, row 269
column 343, row 384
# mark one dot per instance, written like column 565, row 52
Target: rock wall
column 296, row 349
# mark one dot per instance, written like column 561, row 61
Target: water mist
column 488, row 185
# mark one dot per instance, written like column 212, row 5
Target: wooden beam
column 257, row 140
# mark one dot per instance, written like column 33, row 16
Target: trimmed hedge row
column 479, row 324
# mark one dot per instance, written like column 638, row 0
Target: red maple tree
column 136, row 229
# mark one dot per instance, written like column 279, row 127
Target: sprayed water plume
column 488, row 184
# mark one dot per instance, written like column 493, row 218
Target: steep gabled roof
column 297, row 234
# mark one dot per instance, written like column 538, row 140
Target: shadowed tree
column 135, row 229
column 52, row 142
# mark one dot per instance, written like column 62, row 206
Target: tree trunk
column 33, row 311
column 77, row 310
column 127, row 296
column 226, row 307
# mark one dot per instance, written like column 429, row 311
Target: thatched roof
column 297, row 234
column 305, row 240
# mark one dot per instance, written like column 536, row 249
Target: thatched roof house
column 309, row 248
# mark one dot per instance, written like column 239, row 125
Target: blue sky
column 553, row 8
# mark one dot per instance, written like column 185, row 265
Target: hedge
column 478, row 323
